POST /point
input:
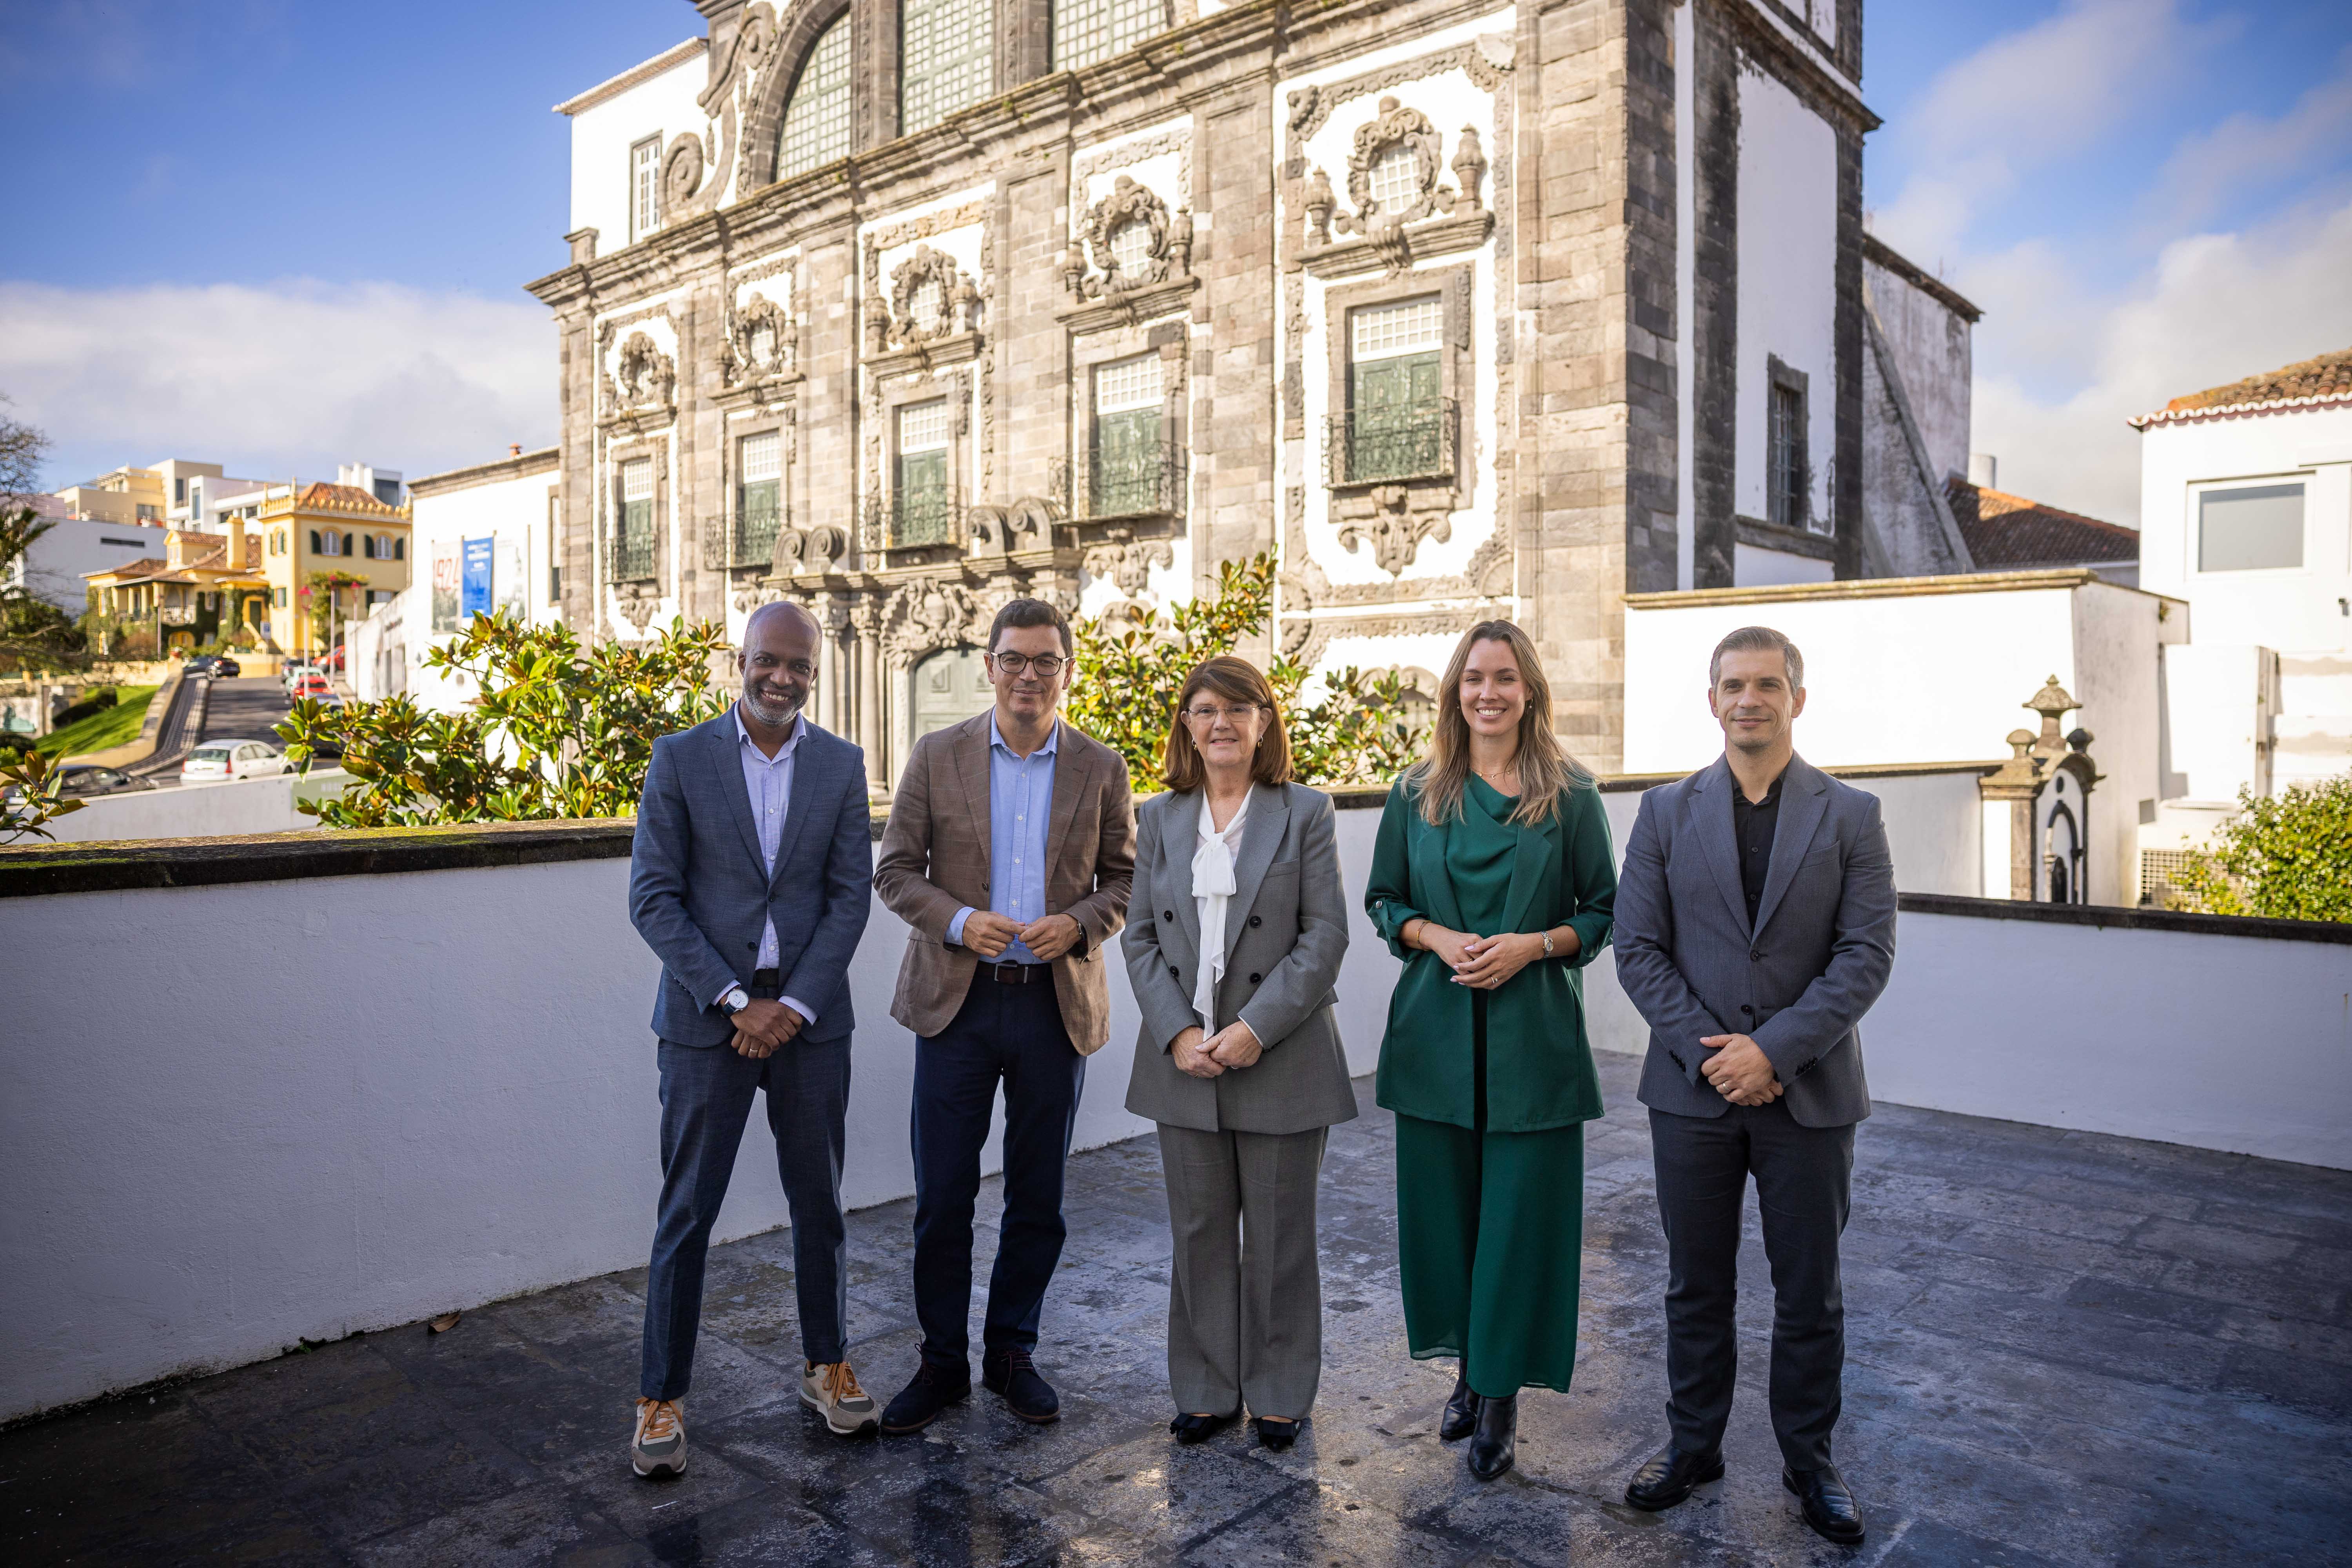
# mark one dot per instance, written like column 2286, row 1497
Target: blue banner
column 473, row 595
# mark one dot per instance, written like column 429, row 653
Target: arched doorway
column 948, row 686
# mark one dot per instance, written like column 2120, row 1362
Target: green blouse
column 1483, row 874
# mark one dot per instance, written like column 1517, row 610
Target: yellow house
column 124, row 495
column 339, row 530
column 205, row 587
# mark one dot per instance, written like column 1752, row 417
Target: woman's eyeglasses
column 1209, row 716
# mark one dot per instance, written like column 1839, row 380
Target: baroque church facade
column 901, row 307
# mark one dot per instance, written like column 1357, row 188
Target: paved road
column 244, row 709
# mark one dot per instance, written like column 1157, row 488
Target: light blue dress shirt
column 1020, row 809
column 769, row 781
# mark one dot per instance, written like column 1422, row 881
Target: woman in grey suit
column 1233, row 940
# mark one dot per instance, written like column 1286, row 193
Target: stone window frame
column 837, row 21
column 1782, row 376
column 654, row 447
column 956, row 386
column 1171, row 338
column 644, row 194
column 735, row 432
column 1457, row 364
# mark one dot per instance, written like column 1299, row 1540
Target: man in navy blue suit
column 750, row 877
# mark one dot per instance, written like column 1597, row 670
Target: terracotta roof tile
column 2327, row 378
column 344, row 497
column 2009, row 534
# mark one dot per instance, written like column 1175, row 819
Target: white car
column 221, row 760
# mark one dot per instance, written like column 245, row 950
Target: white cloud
column 287, row 378
column 2214, row 308
column 2248, row 152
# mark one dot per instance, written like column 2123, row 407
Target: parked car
column 84, row 780
column 295, row 671
column 203, row 664
column 232, row 760
column 313, row 685
column 227, row 669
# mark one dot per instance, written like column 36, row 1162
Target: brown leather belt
column 1015, row 974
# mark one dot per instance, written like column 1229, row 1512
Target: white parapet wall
column 437, row 1088
column 202, row 810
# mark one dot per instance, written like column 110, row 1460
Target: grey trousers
column 1245, row 1293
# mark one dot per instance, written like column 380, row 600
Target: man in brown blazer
column 1010, row 850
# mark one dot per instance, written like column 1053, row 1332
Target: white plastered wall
column 514, row 512
column 1787, row 228
column 603, row 134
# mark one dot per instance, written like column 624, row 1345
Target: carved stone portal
column 1388, row 519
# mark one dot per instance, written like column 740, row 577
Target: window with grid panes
column 1395, row 407
column 1785, row 477
column 1085, row 31
column 1130, row 247
column 759, row 504
column 922, row 512
column 1124, row 469
column 644, row 187
column 633, row 520
column 1396, row 178
column 816, row 118
column 943, row 59
column 928, row 305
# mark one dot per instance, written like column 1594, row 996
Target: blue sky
column 288, row 233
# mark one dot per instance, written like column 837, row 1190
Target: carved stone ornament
column 750, row 596
column 1128, row 203
column 1393, row 126
column 681, row 172
column 1393, row 527
column 924, row 616
column 763, row 343
column 1129, row 566
column 1469, row 172
column 929, row 298
column 638, row 603
column 1318, row 203
column 644, row 377
column 810, row 551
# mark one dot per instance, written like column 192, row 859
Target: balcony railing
column 630, row 557
column 1383, row 446
column 747, row 539
column 930, row 516
column 1145, row 481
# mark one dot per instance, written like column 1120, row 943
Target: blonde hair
column 1544, row 769
column 1234, row 680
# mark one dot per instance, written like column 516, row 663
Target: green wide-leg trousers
column 1490, row 1235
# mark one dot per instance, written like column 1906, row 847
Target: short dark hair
column 1031, row 612
column 1757, row 639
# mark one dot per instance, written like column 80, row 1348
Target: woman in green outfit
column 1493, row 879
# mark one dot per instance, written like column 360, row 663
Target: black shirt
column 1752, row 824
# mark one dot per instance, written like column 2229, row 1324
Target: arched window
column 399, row 549
column 943, row 60
column 817, row 116
column 1085, row 31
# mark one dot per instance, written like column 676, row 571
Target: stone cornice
column 1878, row 588
column 546, row 461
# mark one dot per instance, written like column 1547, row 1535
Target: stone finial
column 1180, row 243
column 1469, row 172
column 2054, row 703
column 1319, row 203
column 1074, row 273
column 878, row 324
column 966, row 302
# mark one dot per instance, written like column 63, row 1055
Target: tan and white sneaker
column 830, row 1388
column 659, row 1445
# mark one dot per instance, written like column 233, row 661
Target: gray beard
column 776, row 718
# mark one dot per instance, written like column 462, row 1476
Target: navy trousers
column 1804, row 1179
column 1012, row 1034
column 706, row 1098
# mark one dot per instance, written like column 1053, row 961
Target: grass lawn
column 115, row 726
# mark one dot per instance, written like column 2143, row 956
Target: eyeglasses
column 1047, row 665
column 1209, row 716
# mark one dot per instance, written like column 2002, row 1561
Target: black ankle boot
column 1461, row 1412
column 1495, row 1444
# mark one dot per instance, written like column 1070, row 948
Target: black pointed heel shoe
column 1190, row 1428
column 1495, row 1444
column 1461, row 1413
column 1275, row 1432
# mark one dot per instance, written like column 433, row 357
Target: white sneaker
column 660, row 1444
column 830, row 1388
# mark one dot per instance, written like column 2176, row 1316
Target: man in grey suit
column 1755, row 927
column 750, row 877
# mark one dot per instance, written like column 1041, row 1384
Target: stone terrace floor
column 2061, row 1350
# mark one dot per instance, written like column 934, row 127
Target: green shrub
column 2286, row 858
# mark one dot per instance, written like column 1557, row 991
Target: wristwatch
column 1548, row 952
column 736, row 999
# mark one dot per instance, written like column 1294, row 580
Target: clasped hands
column 1739, row 1070
column 990, row 934
column 1481, row 962
column 1235, row 1046
column 761, row 1027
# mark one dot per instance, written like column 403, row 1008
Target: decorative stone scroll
column 1395, row 126
column 643, row 378
column 1386, row 519
column 762, row 344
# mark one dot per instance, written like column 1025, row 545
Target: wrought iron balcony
column 932, row 515
column 1370, row 447
column 629, row 554
column 1144, row 481
column 747, row 539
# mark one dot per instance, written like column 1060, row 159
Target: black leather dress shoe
column 1275, row 1432
column 931, row 1390
column 1669, row 1476
column 1830, row 1507
column 1496, row 1442
column 1010, row 1373
column 1190, row 1428
column 1461, row 1413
